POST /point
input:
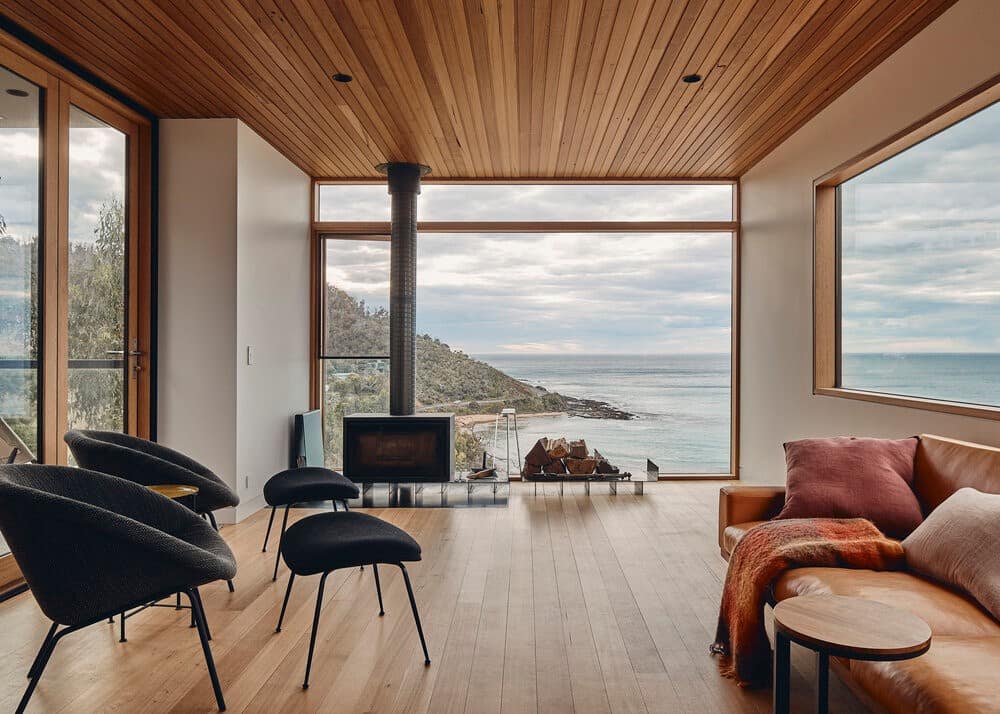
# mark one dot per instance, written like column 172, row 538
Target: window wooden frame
column 826, row 254
column 63, row 87
column 321, row 230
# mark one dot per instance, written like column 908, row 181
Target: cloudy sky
column 921, row 246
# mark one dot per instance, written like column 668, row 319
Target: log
column 578, row 449
column 556, row 466
column 558, row 448
column 538, row 455
column 581, row 467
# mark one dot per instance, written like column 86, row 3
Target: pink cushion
column 846, row 477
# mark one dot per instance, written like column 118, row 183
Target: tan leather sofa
column 961, row 672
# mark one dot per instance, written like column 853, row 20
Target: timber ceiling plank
column 490, row 88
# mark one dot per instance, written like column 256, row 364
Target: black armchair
column 90, row 545
column 148, row 463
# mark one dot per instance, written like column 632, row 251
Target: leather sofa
column 961, row 672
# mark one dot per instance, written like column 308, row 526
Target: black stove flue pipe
column 404, row 187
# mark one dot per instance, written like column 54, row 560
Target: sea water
column 681, row 403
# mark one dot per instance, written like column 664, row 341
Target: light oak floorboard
column 557, row 603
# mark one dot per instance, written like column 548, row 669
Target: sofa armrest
column 740, row 504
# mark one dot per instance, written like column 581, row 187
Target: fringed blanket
column 766, row 552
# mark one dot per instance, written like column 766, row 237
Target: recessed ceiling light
column 691, row 78
column 342, row 78
column 17, row 92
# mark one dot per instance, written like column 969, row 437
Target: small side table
column 176, row 491
column 838, row 626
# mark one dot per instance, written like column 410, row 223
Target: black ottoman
column 307, row 483
column 330, row 541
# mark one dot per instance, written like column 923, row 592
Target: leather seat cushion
column 732, row 535
column 957, row 674
column 948, row 612
column 328, row 541
column 309, row 483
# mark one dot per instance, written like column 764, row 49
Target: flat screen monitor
column 307, row 442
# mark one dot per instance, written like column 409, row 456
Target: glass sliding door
column 20, row 223
column 97, row 276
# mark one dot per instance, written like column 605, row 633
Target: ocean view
column 973, row 378
column 681, row 403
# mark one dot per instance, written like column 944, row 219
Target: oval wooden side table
column 838, row 626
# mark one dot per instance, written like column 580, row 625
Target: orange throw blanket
column 766, row 552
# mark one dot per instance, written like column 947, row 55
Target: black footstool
column 307, row 483
column 330, row 541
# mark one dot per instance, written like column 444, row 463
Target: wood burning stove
column 383, row 448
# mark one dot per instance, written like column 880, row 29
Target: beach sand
column 470, row 420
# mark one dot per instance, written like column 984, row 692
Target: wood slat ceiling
column 490, row 88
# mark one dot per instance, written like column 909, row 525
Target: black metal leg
column 199, row 615
column 177, row 606
column 284, row 604
column 822, row 683
column 122, row 620
column 378, row 589
column 215, row 525
column 270, row 522
column 277, row 557
column 45, row 643
column 416, row 615
column 111, row 620
column 782, row 673
column 346, row 507
column 39, row 666
column 201, row 606
column 312, row 638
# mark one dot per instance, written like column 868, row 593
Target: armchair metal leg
column 122, row 620
column 312, row 638
column 284, row 604
column 378, row 589
column 215, row 525
column 201, row 606
column 277, row 557
column 416, row 615
column 35, row 673
column 45, row 643
column 199, row 616
column 270, row 522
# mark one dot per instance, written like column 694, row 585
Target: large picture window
column 537, row 297
column 915, row 232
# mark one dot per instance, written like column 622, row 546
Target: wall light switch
column 249, row 355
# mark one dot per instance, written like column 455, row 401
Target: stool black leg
column 312, row 638
column 416, row 615
column 378, row 589
column 288, row 592
column 199, row 616
column 270, row 522
column 277, row 557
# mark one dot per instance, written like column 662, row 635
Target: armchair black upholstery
column 91, row 545
column 148, row 463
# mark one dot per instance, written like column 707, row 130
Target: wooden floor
column 554, row 604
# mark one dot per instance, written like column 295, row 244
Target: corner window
column 914, row 300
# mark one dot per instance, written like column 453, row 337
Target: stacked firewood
column 559, row 457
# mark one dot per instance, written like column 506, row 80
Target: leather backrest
column 945, row 465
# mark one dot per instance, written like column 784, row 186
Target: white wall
column 233, row 273
column 196, row 382
column 955, row 53
column 273, row 310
